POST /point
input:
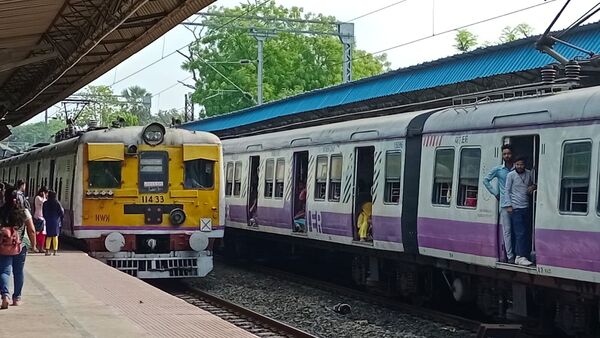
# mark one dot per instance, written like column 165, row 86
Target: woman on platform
column 53, row 214
column 38, row 217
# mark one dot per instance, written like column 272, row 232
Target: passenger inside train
column 364, row 198
column 300, row 209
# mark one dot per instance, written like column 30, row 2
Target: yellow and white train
column 146, row 200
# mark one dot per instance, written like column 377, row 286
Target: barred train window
column 335, row 178
column 442, row 181
column 103, row 174
column 269, row 178
column 279, row 177
column 228, row 178
column 393, row 169
column 237, row 179
column 468, row 178
column 199, row 174
column 575, row 177
column 321, row 178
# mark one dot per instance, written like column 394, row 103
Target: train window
column 237, row 179
column 335, row 178
column 229, row 179
column 575, row 177
column 393, row 169
column 103, row 174
column 279, row 176
column 199, row 174
column 269, row 178
column 321, row 178
column 154, row 171
column 442, row 178
column 468, row 177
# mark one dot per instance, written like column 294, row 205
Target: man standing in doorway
column 499, row 173
column 519, row 184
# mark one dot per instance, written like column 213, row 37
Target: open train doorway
column 299, row 191
column 254, row 163
column 526, row 147
column 363, row 199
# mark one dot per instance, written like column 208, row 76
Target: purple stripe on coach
column 568, row 249
column 335, row 223
column 457, row 236
column 387, row 228
column 275, row 216
column 238, row 213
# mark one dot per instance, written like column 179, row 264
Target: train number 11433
column 152, row 199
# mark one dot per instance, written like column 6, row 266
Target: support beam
column 34, row 59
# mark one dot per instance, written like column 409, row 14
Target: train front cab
column 152, row 210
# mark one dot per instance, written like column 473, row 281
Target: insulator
column 548, row 74
column 572, row 70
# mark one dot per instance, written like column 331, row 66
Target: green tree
column 293, row 63
column 103, row 106
column 465, row 40
column 166, row 117
column 32, row 133
column 138, row 103
column 520, row 31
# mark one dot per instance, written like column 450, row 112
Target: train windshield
column 104, row 174
column 199, row 174
column 154, row 171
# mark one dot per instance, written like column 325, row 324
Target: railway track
column 482, row 330
column 244, row 318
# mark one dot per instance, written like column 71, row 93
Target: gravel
column 312, row 310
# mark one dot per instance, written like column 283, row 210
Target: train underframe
column 542, row 304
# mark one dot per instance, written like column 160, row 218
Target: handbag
column 10, row 241
column 38, row 223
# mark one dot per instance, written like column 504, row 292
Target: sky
column 433, row 21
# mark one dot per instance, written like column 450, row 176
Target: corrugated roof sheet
column 512, row 57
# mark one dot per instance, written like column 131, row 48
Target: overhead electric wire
column 449, row 31
column 377, row 10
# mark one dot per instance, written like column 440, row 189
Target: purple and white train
column 432, row 218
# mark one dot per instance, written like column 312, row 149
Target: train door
column 528, row 146
column 254, row 163
column 300, row 167
column 51, row 176
column 363, row 183
column 28, row 186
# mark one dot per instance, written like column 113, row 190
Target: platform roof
column 511, row 64
column 51, row 48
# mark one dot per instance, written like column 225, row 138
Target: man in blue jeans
column 519, row 185
column 499, row 173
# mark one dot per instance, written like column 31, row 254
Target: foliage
column 465, row 40
column 166, row 117
column 105, row 106
column 138, row 103
column 293, row 63
column 29, row 134
column 520, row 31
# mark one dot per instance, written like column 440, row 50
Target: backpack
column 10, row 241
column 10, row 238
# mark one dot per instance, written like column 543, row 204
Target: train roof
column 126, row 135
column 384, row 127
column 576, row 105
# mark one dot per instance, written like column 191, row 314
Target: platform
column 74, row 295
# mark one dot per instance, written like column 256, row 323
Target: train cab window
column 442, row 178
column 269, row 178
column 154, row 171
column 321, row 178
column 237, row 179
column 335, row 178
column 279, row 177
column 199, row 174
column 575, row 177
column 468, row 178
column 103, row 174
column 228, row 178
column 393, row 169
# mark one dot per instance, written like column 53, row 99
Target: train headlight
column 114, row 242
column 154, row 134
column 177, row 216
column 199, row 241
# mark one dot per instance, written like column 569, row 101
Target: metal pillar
column 346, row 34
column 260, row 39
column 188, row 112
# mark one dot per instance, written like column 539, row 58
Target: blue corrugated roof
column 484, row 62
